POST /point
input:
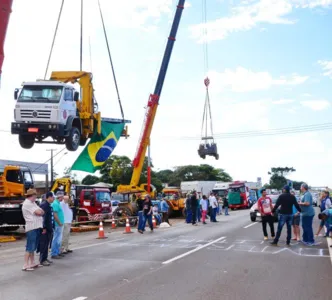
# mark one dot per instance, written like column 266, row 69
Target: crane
column 5, row 10
column 151, row 110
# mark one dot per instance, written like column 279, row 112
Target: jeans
column 308, row 234
column 268, row 219
column 213, row 214
column 140, row 220
column 282, row 220
column 165, row 217
column 44, row 244
column 226, row 211
column 199, row 215
column 188, row 215
column 57, row 240
column 158, row 218
column 194, row 215
column 204, row 215
column 143, row 224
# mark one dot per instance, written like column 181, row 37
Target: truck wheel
column 26, row 141
column 73, row 140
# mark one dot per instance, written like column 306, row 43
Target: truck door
column 68, row 106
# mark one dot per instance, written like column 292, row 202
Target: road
column 225, row 260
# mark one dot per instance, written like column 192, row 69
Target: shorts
column 32, row 240
column 296, row 220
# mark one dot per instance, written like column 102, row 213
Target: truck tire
column 26, row 141
column 73, row 140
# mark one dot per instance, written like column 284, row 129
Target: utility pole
column 52, row 171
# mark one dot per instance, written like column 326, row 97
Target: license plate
column 32, row 129
column 105, row 205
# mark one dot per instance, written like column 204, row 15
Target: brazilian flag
column 99, row 148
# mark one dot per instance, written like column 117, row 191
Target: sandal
column 28, row 269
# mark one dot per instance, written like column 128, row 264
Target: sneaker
column 265, row 238
column 45, row 264
column 69, row 251
column 274, row 244
column 49, row 261
column 273, row 236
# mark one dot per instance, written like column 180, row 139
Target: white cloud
column 316, row 104
column 244, row 80
column 327, row 67
column 283, row 101
column 251, row 14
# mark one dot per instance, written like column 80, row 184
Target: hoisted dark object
column 207, row 147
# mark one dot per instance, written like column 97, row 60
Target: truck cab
column 221, row 189
column 238, row 195
column 14, row 182
column 94, row 203
column 47, row 108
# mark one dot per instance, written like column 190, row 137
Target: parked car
column 255, row 215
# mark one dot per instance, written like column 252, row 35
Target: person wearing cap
column 48, row 228
column 33, row 216
column 307, row 215
column 147, row 214
column 285, row 201
column 58, row 231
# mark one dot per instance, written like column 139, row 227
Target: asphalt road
column 225, row 260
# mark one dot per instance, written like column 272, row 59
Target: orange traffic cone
column 127, row 230
column 101, row 234
column 154, row 223
column 113, row 223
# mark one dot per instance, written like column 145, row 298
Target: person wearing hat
column 59, row 219
column 48, row 228
column 285, row 201
column 307, row 215
column 33, row 216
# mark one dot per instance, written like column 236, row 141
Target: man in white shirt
column 33, row 216
column 68, row 214
column 213, row 203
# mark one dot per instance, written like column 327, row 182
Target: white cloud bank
column 316, row 105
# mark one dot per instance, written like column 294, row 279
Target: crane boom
column 154, row 99
column 152, row 105
column 5, row 10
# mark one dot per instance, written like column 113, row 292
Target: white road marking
column 97, row 244
column 265, row 248
column 250, row 225
column 192, row 251
column 80, row 298
column 230, row 247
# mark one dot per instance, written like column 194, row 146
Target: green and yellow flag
column 99, row 148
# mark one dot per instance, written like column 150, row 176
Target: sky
column 269, row 63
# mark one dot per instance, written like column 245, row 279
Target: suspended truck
column 52, row 108
column 14, row 183
column 129, row 207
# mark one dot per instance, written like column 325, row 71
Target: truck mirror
column 16, row 94
column 76, row 96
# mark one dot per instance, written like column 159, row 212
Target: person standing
column 33, row 216
column 307, row 215
column 226, row 205
column 265, row 208
column 193, row 204
column 204, row 204
column 48, row 228
column 188, row 209
column 164, row 207
column 296, row 222
column 213, row 206
column 147, row 214
column 198, row 207
column 68, row 219
column 326, row 216
column 59, row 222
column 286, row 201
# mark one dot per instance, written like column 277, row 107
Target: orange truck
column 175, row 200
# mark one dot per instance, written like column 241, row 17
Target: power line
column 48, row 160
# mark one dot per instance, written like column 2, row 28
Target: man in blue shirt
column 307, row 213
column 59, row 219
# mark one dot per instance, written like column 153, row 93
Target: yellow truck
column 175, row 199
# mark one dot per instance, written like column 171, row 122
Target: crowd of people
column 293, row 212
column 47, row 227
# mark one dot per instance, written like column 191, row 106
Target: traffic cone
column 101, row 234
column 154, row 223
column 127, row 230
column 113, row 223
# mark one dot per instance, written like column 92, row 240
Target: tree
column 90, row 179
column 278, row 177
column 164, row 175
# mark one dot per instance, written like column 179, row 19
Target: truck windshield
column 45, row 94
column 103, row 196
column 220, row 193
column 238, row 189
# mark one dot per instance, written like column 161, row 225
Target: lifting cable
column 207, row 107
column 55, row 33
column 110, row 57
